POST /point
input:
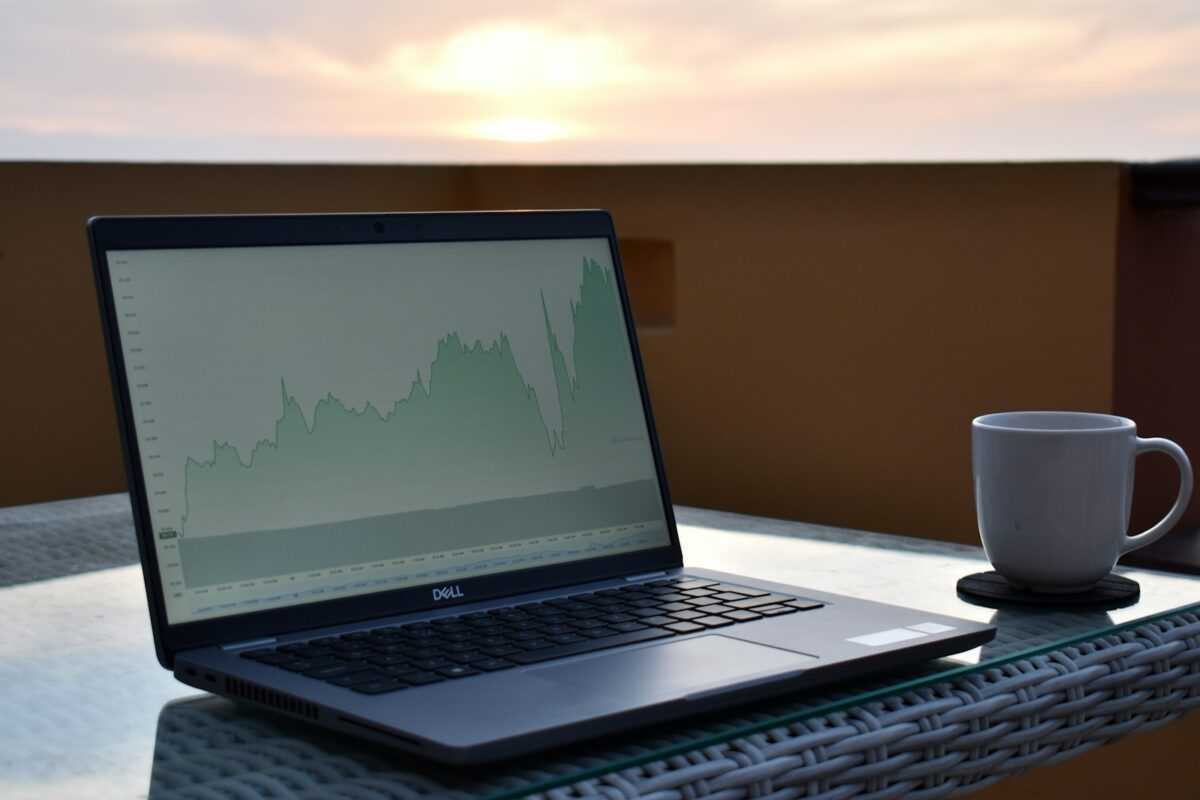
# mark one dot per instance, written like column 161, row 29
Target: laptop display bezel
column 170, row 232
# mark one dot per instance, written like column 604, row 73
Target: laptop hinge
column 251, row 643
column 661, row 573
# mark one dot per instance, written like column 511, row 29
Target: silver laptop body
column 397, row 474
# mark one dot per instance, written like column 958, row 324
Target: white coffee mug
column 1053, row 491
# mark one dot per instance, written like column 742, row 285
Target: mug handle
column 1181, row 502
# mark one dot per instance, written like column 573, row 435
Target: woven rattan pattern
column 928, row 743
column 933, row 742
column 50, row 540
column 946, row 739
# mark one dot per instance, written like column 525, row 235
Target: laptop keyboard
column 396, row 657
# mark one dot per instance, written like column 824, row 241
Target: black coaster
column 991, row 589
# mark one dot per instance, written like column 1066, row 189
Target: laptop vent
column 279, row 701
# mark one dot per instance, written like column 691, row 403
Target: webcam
column 377, row 227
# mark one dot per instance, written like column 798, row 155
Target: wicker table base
column 88, row 712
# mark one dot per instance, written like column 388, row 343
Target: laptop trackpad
column 672, row 669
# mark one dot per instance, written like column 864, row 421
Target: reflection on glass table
column 91, row 712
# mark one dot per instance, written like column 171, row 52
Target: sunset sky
column 673, row 80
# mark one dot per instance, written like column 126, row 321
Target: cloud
column 889, row 80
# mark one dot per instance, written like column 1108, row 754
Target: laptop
column 397, row 474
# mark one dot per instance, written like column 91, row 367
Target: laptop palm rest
column 671, row 670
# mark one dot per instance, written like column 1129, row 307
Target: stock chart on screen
column 321, row 421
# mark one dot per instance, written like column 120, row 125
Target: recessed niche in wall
column 650, row 275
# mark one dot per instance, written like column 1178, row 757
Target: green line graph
column 472, row 430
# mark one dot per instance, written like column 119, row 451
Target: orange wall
column 831, row 331
column 837, row 327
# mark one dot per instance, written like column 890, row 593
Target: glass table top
column 89, row 712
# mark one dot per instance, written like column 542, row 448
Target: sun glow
column 527, row 79
column 520, row 129
column 520, row 60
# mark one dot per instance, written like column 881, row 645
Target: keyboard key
column 696, row 602
column 628, row 627
column 590, row 613
column 364, row 676
column 713, row 622
column 458, row 671
column 775, row 611
column 562, row 651
column 685, row 627
column 492, row 664
column 436, row 662
column 716, row 608
column 536, row 644
column 419, row 678
column 357, row 654
column 492, row 641
column 659, row 620
column 315, row 652
column 612, row 618
column 272, row 657
column 745, row 591
column 764, row 600
column 500, row 652
column 698, row 592
column 540, row 609
column 675, row 607
column 739, row 615
column 568, row 638
column 388, row 660
column 691, row 583
column 730, row 596
column 593, row 633
column 307, row 664
column 685, row 615
column 584, row 624
column 422, row 633
column 333, row 671
column 674, row 597
column 806, row 605
column 651, row 611
column 379, row 687
column 524, row 624
column 425, row 652
column 520, row 636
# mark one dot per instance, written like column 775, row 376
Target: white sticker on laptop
column 887, row 637
column 931, row 627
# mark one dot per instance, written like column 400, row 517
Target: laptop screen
column 316, row 422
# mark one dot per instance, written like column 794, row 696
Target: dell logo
column 447, row 592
